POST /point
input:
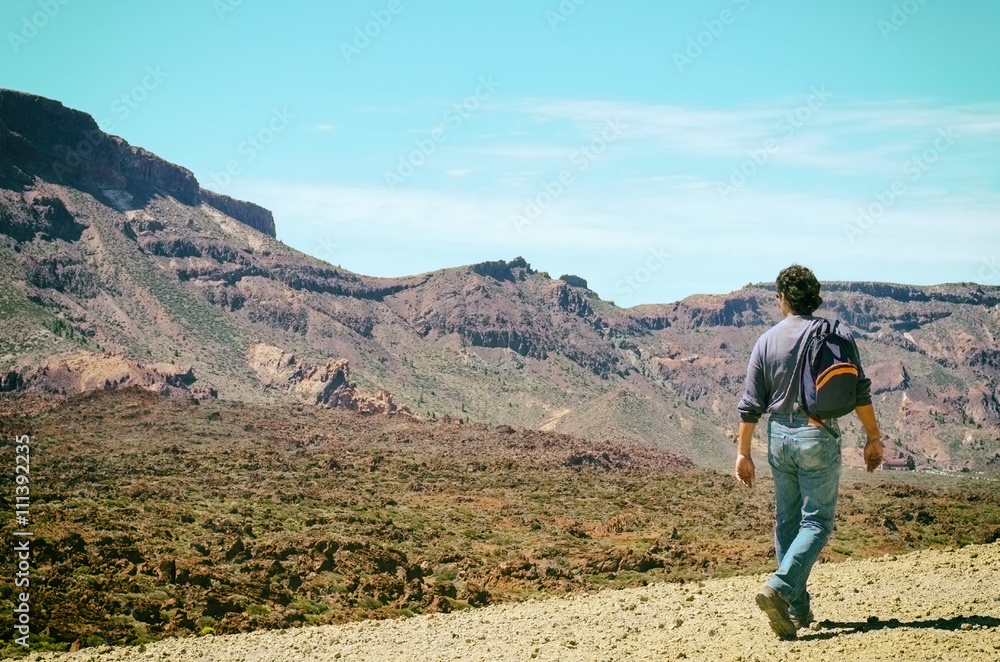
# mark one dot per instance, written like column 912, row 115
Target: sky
column 656, row 149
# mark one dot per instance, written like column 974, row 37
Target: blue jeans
column 805, row 461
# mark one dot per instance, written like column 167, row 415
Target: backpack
column 830, row 371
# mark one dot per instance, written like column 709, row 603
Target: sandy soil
column 929, row 605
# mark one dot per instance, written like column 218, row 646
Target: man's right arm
column 750, row 408
column 753, row 403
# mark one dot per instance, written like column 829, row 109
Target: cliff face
column 42, row 138
column 702, row 311
column 246, row 212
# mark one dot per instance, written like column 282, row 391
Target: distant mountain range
column 118, row 263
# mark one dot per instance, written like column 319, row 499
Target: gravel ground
column 929, row 605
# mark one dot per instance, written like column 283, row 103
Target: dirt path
column 930, row 605
column 553, row 421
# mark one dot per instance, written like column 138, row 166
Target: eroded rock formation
column 79, row 372
column 327, row 385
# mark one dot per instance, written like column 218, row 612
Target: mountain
column 116, row 259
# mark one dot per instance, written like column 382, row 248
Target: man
column 804, row 455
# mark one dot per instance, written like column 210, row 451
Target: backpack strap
column 803, row 356
column 823, row 327
column 828, row 429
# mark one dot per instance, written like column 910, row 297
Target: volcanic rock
column 79, row 372
column 326, row 385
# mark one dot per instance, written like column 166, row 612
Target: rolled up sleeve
column 863, row 394
column 752, row 405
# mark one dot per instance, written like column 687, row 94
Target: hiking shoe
column 801, row 622
column 772, row 604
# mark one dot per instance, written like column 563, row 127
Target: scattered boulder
column 888, row 376
column 168, row 571
column 326, row 385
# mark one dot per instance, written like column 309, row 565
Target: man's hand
column 745, row 470
column 873, row 453
column 744, row 465
column 873, row 449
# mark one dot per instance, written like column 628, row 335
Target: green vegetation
column 157, row 517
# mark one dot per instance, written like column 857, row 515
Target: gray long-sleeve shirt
column 773, row 375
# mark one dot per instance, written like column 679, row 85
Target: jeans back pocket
column 815, row 449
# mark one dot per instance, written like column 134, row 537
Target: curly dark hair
column 800, row 288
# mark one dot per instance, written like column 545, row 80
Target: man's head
column 799, row 288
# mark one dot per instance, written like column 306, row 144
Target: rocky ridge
column 42, row 138
column 79, row 372
column 110, row 249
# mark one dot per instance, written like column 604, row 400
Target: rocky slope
column 108, row 249
column 77, row 372
column 157, row 517
column 950, row 610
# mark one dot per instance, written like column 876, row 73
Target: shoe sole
column 780, row 622
column 808, row 624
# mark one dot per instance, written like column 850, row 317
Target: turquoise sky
column 658, row 149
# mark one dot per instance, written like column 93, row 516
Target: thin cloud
column 326, row 127
column 844, row 138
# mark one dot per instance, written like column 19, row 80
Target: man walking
column 804, row 455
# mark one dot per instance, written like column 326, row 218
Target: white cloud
column 526, row 152
column 829, row 136
column 326, row 127
column 659, row 186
